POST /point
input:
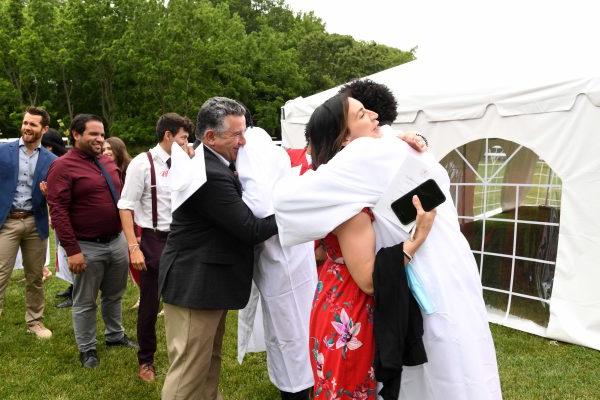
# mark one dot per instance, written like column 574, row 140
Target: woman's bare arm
column 357, row 242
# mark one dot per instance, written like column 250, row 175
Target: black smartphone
column 430, row 195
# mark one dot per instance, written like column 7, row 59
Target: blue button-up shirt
column 27, row 163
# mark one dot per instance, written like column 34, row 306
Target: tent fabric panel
column 569, row 143
column 459, row 92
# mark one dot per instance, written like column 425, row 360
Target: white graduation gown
column 460, row 350
column 285, row 276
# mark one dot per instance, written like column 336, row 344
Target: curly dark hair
column 375, row 97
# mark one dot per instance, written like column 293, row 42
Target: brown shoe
column 147, row 373
column 39, row 330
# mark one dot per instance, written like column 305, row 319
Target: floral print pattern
column 341, row 332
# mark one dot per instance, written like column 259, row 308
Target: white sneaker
column 136, row 305
column 39, row 330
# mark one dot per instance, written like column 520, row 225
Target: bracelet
column 410, row 258
column 133, row 246
column 424, row 139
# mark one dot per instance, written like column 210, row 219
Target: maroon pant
column 152, row 245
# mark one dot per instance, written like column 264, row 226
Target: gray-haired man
column 206, row 267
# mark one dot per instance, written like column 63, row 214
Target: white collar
column 220, row 157
column 159, row 152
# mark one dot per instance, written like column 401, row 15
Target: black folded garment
column 397, row 322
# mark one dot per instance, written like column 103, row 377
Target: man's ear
column 76, row 136
column 45, row 129
column 209, row 137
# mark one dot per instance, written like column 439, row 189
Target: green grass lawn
column 530, row 367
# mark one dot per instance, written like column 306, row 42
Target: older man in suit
column 206, row 267
column 24, row 214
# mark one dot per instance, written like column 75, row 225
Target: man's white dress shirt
column 137, row 196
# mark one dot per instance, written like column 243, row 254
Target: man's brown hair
column 41, row 112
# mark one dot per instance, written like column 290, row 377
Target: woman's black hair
column 327, row 128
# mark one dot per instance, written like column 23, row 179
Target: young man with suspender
column 146, row 199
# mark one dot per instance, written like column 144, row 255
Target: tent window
column 508, row 202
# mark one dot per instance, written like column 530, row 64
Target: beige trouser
column 194, row 341
column 22, row 233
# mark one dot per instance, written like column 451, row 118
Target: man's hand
column 422, row 228
column 136, row 257
column 77, row 263
column 189, row 150
column 414, row 141
column 424, row 220
column 320, row 254
column 44, row 188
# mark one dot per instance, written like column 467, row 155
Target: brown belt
column 20, row 214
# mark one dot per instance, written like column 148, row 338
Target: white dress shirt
column 220, row 157
column 137, row 196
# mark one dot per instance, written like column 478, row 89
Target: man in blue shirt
column 24, row 214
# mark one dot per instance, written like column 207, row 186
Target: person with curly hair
column 373, row 96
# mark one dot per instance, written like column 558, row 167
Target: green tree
column 133, row 60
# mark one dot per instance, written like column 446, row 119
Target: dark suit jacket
column 208, row 259
column 9, row 173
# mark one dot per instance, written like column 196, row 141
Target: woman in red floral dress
column 341, row 331
column 341, row 324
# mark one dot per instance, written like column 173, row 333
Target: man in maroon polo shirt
column 83, row 189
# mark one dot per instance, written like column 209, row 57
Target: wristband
column 424, row 138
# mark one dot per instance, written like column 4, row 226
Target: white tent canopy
column 550, row 108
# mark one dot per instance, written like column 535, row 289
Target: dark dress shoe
column 301, row 395
column 65, row 304
column 67, row 293
column 124, row 342
column 89, row 359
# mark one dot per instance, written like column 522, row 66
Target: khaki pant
column 22, row 233
column 194, row 341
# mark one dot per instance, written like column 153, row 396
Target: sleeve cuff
column 124, row 204
column 72, row 249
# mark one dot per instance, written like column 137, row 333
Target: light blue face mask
column 416, row 287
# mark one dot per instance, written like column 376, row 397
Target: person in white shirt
column 146, row 199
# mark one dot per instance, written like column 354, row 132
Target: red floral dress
column 341, row 332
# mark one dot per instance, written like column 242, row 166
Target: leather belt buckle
column 100, row 239
column 19, row 214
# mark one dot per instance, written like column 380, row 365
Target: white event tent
column 525, row 136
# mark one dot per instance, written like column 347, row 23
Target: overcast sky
column 523, row 28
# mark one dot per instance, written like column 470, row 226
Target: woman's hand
column 422, row 228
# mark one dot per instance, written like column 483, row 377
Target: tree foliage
column 130, row 61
